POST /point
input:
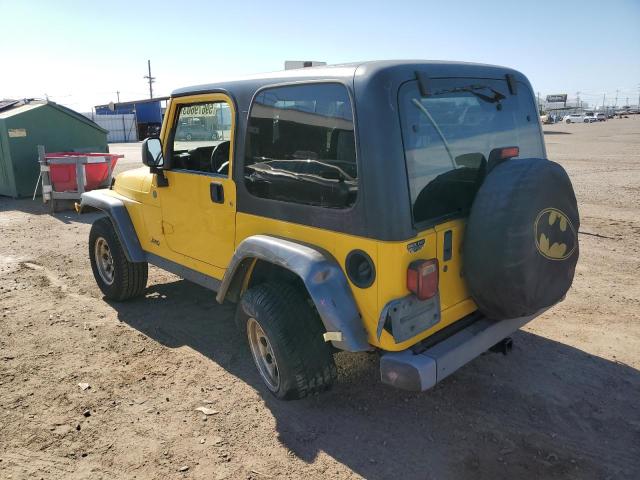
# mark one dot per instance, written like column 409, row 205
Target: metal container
column 24, row 125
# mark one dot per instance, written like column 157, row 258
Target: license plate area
column 407, row 317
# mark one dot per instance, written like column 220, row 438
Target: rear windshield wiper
column 473, row 89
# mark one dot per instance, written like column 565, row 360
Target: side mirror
column 152, row 153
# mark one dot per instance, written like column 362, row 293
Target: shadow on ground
column 533, row 414
column 550, row 132
column 36, row 207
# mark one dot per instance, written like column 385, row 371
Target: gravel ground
column 564, row 404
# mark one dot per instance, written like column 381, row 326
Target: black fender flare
column 322, row 276
column 116, row 210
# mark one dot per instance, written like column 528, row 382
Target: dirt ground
column 564, row 404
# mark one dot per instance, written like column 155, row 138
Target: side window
column 201, row 138
column 301, row 146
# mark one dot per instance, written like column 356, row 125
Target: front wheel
column 118, row 278
column 567, row 121
column 285, row 338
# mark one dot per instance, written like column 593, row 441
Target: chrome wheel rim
column 104, row 261
column 263, row 355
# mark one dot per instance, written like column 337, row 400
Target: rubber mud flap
column 521, row 240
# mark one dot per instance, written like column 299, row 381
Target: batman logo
column 555, row 235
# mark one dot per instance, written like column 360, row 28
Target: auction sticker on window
column 17, row 132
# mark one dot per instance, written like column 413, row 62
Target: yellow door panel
column 199, row 206
column 452, row 286
column 193, row 224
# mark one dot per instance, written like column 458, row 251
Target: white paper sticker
column 17, row 132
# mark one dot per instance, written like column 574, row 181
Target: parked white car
column 590, row 117
column 601, row 117
column 573, row 118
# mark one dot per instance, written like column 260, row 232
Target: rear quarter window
column 301, row 146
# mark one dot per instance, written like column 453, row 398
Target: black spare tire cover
column 521, row 239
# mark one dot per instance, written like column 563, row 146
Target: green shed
column 25, row 124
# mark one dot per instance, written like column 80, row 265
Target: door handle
column 447, row 249
column 217, row 192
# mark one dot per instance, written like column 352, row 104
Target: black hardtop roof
column 344, row 73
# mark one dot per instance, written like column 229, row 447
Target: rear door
column 448, row 136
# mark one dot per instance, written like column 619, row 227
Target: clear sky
column 81, row 52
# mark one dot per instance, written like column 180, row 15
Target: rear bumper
column 418, row 372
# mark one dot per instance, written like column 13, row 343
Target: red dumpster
column 63, row 174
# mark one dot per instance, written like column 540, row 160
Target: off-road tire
column 294, row 330
column 129, row 278
column 521, row 239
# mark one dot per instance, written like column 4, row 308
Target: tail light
column 509, row 152
column 422, row 278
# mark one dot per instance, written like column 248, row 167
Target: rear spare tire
column 521, row 240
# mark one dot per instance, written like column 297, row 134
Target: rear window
column 301, row 146
column 448, row 137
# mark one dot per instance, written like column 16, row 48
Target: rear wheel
column 118, row 278
column 285, row 338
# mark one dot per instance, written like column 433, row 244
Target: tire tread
column 132, row 280
column 298, row 331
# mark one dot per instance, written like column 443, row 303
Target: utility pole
column 578, row 100
column 118, row 94
column 604, row 95
column 615, row 105
column 150, row 79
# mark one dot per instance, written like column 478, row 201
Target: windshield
column 448, row 137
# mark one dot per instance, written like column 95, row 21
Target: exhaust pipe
column 503, row 346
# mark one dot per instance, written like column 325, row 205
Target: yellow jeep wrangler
column 406, row 208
